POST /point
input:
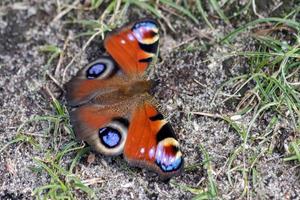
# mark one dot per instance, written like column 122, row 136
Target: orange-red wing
column 151, row 143
column 104, row 128
column 88, row 119
column 99, row 115
column 98, row 77
column 133, row 46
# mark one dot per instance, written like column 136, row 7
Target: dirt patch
column 189, row 77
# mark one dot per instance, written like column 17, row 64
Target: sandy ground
column 189, row 80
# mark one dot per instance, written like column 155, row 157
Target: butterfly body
column 112, row 107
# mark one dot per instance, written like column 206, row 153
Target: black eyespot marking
column 156, row 117
column 150, row 48
column 109, row 137
column 123, row 121
column 146, row 60
column 95, row 70
column 153, row 34
column 165, row 132
column 175, row 148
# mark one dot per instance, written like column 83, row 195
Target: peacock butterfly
column 112, row 109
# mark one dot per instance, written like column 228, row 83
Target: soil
column 190, row 69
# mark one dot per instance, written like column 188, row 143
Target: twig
column 79, row 53
column 211, row 115
column 161, row 6
column 183, row 43
column 116, row 10
column 167, row 22
column 55, row 81
column 277, row 6
column 61, row 57
column 251, row 94
column 64, row 12
column 50, row 93
column 36, row 134
column 199, row 83
column 254, row 10
column 93, row 181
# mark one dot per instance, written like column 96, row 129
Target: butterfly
column 112, row 109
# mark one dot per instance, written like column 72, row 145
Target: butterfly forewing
column 96, row 78
column 134, row 46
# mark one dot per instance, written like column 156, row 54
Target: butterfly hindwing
column 104, row 128
column 151, row 142
column 134, row 46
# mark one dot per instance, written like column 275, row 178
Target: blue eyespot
column 145, row 29
column 173, row 166
column 146, row 24
column 95, row 70
column 168, row 158
column 109, row 137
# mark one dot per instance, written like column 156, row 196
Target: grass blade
column 234, row 33
column 217, row 8
column 180, row 9
column 203, row 13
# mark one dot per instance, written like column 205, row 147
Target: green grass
column 63, row 183
column 273, row 74
column 22, row 139
column 55, row 160
column 54, row 52
column 115, row 12
column 294, row 151
column 288, row 22
column 273, row 82
column 210, row 191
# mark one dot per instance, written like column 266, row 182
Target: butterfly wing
column 103, row 128
column 151, row 142
column 99, row 114
column 97, row 77
column 134, row 46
